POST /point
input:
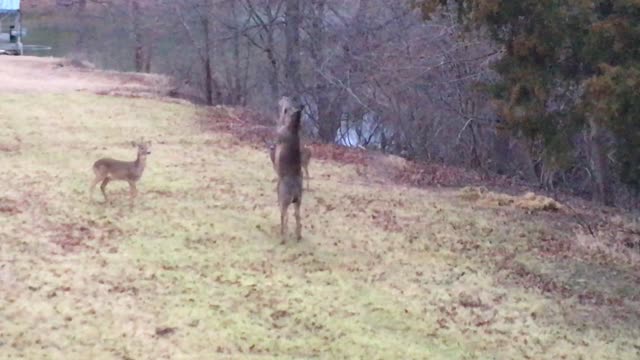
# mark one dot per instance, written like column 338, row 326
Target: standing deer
column 287, row 162
column 107, row 169
column 304, row 161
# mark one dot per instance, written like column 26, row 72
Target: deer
column 108, row 169
column 304, row 161
column 287, row 159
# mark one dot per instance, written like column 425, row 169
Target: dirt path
column 52, row 75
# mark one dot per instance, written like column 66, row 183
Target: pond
column 106, row 46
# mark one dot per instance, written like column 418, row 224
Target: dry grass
column 26, row 74
column 528, row 201
column 195, row 269
column 618, row 241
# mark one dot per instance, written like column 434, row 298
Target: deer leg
column 298, row 222
column 93, row 186
column 306, row 172
column 283, row 221
column 103, row 188
column 133, row 191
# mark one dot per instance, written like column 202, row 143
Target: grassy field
column 195, row 270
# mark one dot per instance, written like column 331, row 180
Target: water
column 46, row 41
column 105, row 45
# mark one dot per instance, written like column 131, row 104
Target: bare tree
column 139, row 47
column 262, row 32
column 202, row 42
column 293, row 21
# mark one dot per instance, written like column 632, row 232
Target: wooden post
column 19, row 26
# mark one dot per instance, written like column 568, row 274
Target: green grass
column 384, row 272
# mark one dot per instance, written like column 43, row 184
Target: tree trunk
column 327, row 122
column 138, row 53
column 292, row 39
column 274, row 76
column 602, row 193
column 476, row 161
column 208, row 73
column 147, row 58
column 237, row 90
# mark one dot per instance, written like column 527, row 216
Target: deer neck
column 285, row 136
column 141, row 161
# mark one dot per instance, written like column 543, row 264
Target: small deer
column 107, row 169
column 287, row 162
column 304, row 161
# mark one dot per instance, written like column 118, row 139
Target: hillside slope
column 195, row 269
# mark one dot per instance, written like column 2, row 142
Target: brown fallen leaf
column 165, row 331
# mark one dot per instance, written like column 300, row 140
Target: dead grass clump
column 533, row 202
column 75, row 62
column 618, row 239
column 527, row 277
column 9, row 206
column 9, row 148
column 71, row 236
column 606, row 245
column 470, row 300
column 472, row 193
column 416, row 174
column 483, row 196
column 386, row 220
column 75, row 236
column 165, row 331
column 529, row 201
